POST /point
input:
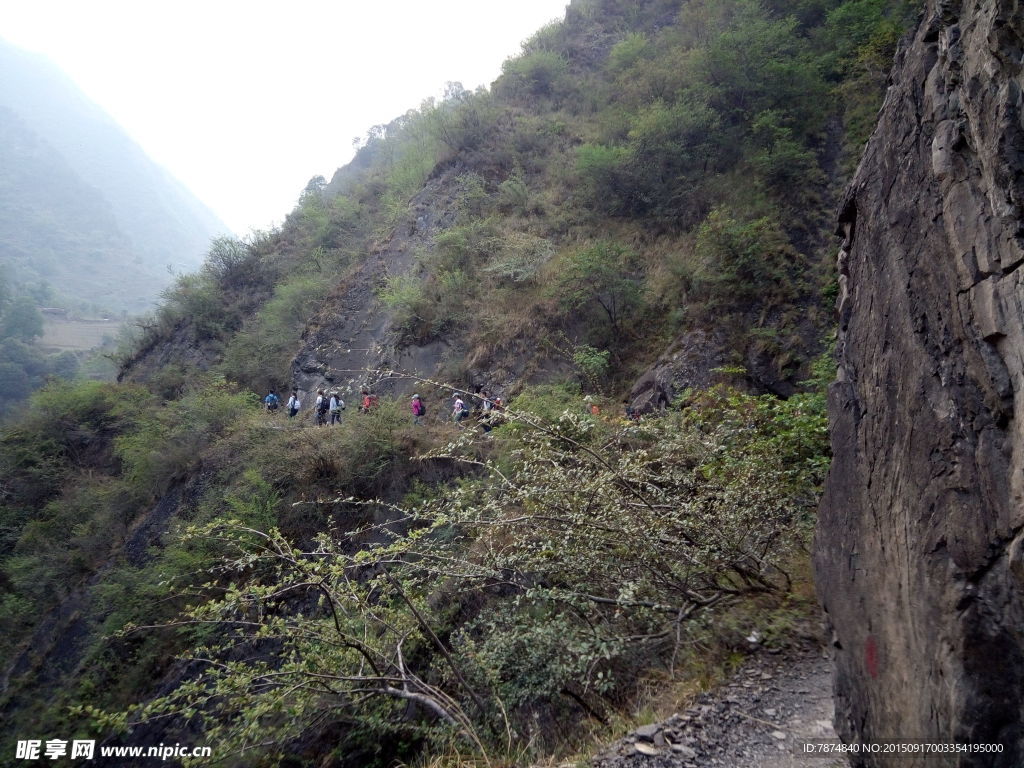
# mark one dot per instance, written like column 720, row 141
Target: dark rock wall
column 920, row 553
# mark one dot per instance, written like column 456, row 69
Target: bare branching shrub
column 226, row 258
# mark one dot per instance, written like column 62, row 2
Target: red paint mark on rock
column 871, row 656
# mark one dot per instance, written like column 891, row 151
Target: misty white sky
column 245, row 100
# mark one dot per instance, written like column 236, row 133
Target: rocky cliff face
column 920, row 550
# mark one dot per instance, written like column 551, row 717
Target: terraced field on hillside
column 63, row 334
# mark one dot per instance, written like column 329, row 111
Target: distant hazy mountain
column 81, row 205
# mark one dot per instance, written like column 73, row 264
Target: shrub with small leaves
column 559, row 569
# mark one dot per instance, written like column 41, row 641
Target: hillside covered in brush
column 642, row 178
column 636, row 214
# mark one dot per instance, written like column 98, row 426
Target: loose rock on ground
column 758, row 719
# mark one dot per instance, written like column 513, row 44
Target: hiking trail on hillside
column 757, row 719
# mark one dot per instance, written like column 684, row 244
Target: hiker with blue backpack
column 271, row 401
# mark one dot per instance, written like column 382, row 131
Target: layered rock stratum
column 920, row 550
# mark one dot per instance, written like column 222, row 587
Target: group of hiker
column 483, row 407
column 329, row 405
column 489, row 412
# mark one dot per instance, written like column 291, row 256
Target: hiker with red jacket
column 369, row 401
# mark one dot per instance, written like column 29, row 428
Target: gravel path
column 755, row 720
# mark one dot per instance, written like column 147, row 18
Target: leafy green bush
column 602, row 276
column 196, row 300
column 862, row 37
column 746, row 262
column 462, row 120
column 593, row 364
column 227, row 259
column 411, row 156
column 761, row 63
column 851, row 25
column 544, row 403
column 538, row 73
column 788, row 168
column 168, row 440
column 64, row 505
column 535, row 139
column 425, row 308
column 627, row 51
column 514, row 195
column 607, row 175
column 466, row 246
column 406, row 296
column 21, row 320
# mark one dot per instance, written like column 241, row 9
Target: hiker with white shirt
column 320, row 408
column 460, row 411
column 335, row 406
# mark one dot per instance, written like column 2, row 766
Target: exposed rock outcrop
column 920, row 551
column 351, row 342
column 689, row 362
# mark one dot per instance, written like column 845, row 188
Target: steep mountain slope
column 81, row 199
column 55, row 225
column 629, row 186
column 919, row 544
